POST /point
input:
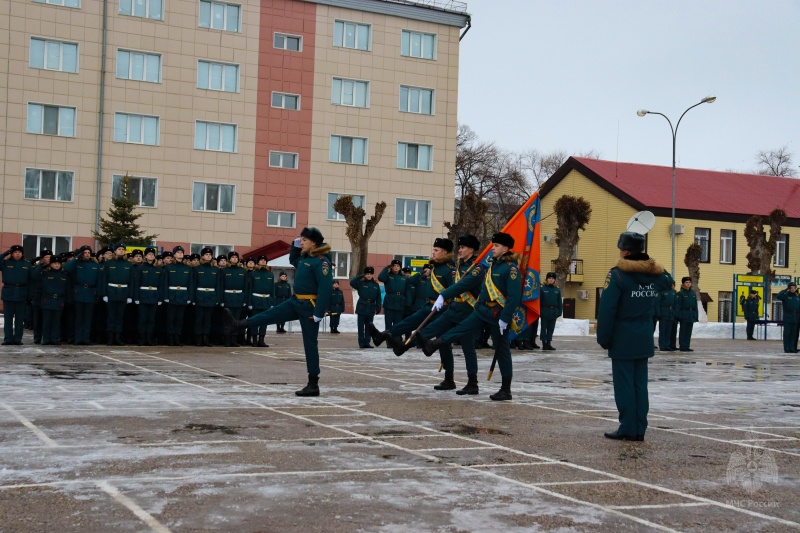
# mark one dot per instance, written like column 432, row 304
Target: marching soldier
column 750, row 308
column 16, row 278
column 39, row 264
column 369, row 303
column 336, row 307
column 396, row 285
column 313, row 284
column 283, row 292
column 84, row 272
column 791, row 317
column 550, row 307
column 179, row 282
column 261, row 297
column 207, row 295
column 55, row 290
column 686, row 313
column 116, row 289
column 148, row 287
column 234, row 285
column 665, row 310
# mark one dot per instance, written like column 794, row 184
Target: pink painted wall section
column 279, row 129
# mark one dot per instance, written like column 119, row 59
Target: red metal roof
column 696, row 190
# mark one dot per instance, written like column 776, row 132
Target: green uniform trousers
column 685, row 335
column 548, row 326
column 664, row 332
column 452, row 317
column 13, row 328
column 630, row 394
column 790, row 331
column 392, row 317
column 465, row 331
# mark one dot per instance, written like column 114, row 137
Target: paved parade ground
column 208, row 439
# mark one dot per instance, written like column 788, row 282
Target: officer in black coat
column 16, row 278
column 750, row 308
column 369, row 303
column 55, row 291
column 39, row 264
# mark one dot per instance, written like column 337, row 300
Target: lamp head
column 708, row 100
column 642, row 112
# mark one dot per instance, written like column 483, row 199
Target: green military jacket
column 750, row 308
column 369, row 295
column 16, row 278
column 665, row 306
column 470, row 280
column 336, row 305
column 443, row 271
column 207, row 285
column 791, row 306
column 507, row 278
column 85, row 277
column 313, row 275
column 396, row 287
column 686, row 305
column 550, row 302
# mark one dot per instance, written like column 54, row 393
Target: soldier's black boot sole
column 311, row 389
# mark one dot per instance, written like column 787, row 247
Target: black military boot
column 207, row 340
column 118, row 340
column 312, row 389
column 504, row 393
column 448, row 383
column 261, row 343
column 399, row 346
column 429, row 346
column 471, row 387
column 547, row 346
column 379, row 336
column 198, row 340
column 535, row 346
column 231, row 325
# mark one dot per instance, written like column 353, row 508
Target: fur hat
column 369, row 270
column 207, row 250
column 684, row 279
column 551, row 275
column 178, row 249
column 136, row 252
column 631, row 242
column 149, row 250
column 503, row 238
column 313, row 234
column 16, row 248
column 444, row 244
column 470, row 241
column 233, row 253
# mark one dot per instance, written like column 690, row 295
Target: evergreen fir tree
column 121, row 226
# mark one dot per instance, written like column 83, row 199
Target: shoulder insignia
column 476, row 271
column 324, row 269
column 608, row 280
column 514, row 273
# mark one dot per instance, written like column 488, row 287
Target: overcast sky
column 571, row 74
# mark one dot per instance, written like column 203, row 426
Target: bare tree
column 692, row 261
column 775, row 162
column 538, row 166
column 759, row 259
column 358, row 233
column 470, row 218
column 572, row 214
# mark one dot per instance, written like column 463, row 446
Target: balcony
column 575, row 274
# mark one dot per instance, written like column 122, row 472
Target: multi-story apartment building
column 237, row 123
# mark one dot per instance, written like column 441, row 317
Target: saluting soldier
column 116, row 289
column 180, row 287
column 40, row 263
column 686, row 313
column 84, row 272
column 750, row 308
column 336, row 307
column 396, row 285
column 551, row 308
column 791, row 316
column 261, row 297
column 283, row 292
column 16, row 278
column 313, row 284
column 421, row 284
column 409, row 309
column 369, row 303
column 148, row 287
column 234, row 284
column 665, row 311
column 55, row 291
column 501, row 292
column 207, row 295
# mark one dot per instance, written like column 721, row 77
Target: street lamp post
column 643, row 112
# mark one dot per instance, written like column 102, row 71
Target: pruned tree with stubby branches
column 759, row 259
column 471, row 218
column 358, row 232
column 572, row 215
column 692, row 261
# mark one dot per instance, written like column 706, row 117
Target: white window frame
column 416, row 212
column 280, row 215
column 780, row 259
column 58, row 127
column 223, row 78
column 62, row 3
column 726, row 246
column 147, row 10
column 335, row 260
column 409, row 92
column 128, row 128
column 329, row 205
column 205, row 193
column 402, row 146
column 286, row 37
column 410, row 33
column 358, row 25
column 283, row 156
column 39, row 242
column 283, row 96
column 145, row 55
column 195, row 247
column 352, row 149
column 699, row 241
column 139, row 201
column 340, row 94
column 225, row 19
column 45, row 42
column 59, row 173
column 207, row 123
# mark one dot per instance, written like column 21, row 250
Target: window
column 727, row 246
column 218, row 249
column 702, row 236
column 351, row 35
column 65, row 3
column 781, row 251
column 286, row 101
column 139, row 66
column 51, row 120
column 412, row 212
column 280, row 219
column 214, row 136
column 53, row 55
column 217, row 76
column 35, row 244
column 282, row 160
column 213, row 197
column 341, row 265
column 136, row 129
column 143, row 191
column 293, row 43
column 358, row 201
column 777, row 308
column 350, row 92
column 414, row 156
column 218, row 16
column 416, row 44
column 148, row 9
column 725, row 306
column 348, row 150
column 414, row 100
column 48, row 185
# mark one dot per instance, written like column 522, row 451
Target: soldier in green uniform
column 55, row 291
column 550, row 307
column 313, row 284
column 148, row 287
column 261, row 297
column 665, row 311
column 207, row 295
column 420, row 283
column 84, row 272
column 283, row 293
column 500, row 295
column 625, row 329
column 686, row 313
column 369, row 303
column 336, row 307
column 16, row 278
column 791, row 316
column 395, row 284
column 179, row 283
column 40, row 263
column 116, row 289
column 409, row 309
column 750, row 308
column 234, row 280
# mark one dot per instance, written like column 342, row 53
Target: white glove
column 250, row 307
column 503, row 326
column 159, row 303
column 245, row 305
column 298, row 242
column 129, row 300
column 317, row 319
column 188, row 302
column 437, row 306
column 136, row 302
column 166, row 301
column 105, row 299
column 222, row 305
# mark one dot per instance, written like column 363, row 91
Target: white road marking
column 140, row 513
column 30, row 425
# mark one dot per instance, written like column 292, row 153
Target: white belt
column 149, row 288
column 261, row 295
column 233, row 291
column 177, row 288
column 205, row 289
column 117, row 285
